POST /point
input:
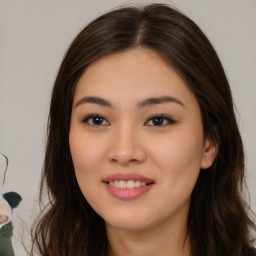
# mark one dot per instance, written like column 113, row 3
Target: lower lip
column 128, row 193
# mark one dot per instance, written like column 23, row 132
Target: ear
column 209, row 153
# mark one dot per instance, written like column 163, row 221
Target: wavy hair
column 219, row 219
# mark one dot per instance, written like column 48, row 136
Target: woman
column 143, row 156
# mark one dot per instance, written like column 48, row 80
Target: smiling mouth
column 129, row 184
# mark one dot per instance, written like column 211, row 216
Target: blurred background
column 34, row 35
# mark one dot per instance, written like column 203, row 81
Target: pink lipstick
column 127, row 186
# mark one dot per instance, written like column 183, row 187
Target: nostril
column 124, row 160
column 126, row 152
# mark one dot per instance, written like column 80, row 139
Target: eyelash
column 164, row 120
column 89, row 117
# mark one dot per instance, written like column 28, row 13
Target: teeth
column 122, row 184
column 127, row 184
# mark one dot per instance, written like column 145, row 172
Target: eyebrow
column 159, row 100
column 94, row 100
column 144, row 103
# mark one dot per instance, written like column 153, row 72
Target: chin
column 130, row 226
column 130, row 221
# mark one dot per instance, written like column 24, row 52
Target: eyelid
column 163, row 116
column 87, row 117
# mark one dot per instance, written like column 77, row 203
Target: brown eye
column 160, row 121
column 95, row 120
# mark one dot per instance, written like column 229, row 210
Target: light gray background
column 34, row 35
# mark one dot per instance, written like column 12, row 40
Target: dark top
column 6, row 231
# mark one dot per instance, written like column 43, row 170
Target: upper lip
column 126, row 177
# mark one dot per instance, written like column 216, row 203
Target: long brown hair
column 219, row 222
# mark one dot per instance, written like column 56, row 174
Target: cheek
column 178, row 163
column 87, row 155
column 87, row 151
column 178, row 159
column 180, row 149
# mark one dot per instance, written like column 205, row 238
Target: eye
column 160, row 120
column 95, row 120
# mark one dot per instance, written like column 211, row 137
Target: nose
column 126, row 147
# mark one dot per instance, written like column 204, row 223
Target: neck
column 165, row 240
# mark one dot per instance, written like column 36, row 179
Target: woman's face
column 136, row 140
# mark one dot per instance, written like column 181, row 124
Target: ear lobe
column 209, row 153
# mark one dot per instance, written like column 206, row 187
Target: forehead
column 137, row 73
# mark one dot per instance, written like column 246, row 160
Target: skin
column 3, row 218
column 127, row 140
